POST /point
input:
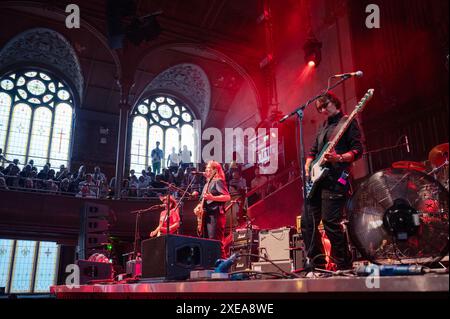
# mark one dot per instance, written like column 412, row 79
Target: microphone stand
column 180, row 200
column 300, row 115
column 137, row 233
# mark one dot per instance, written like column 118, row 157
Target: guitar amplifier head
column 243, row 236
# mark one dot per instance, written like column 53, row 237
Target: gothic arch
column 47, row 48
column 187, row 81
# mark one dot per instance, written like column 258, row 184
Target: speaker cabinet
column 90, row 270
column 172, row 257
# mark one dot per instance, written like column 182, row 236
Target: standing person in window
column 157, row 157
column 186, row 157
column 173, row 161
column 327, row 203
column 215, row 198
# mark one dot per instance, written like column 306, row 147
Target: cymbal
column 416, row 166
column 438, row 154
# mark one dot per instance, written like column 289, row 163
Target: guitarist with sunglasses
column 211, row 208
column 328, row 201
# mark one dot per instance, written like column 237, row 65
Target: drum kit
column 400, row 214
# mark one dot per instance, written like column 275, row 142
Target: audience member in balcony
column 103, row 189
column 24, row 174
column 43, row 173
column 52, row 187
column 62, row 173
column 132, row 173
column 233, row 167
column 168, row 176
column 125, row 188
column 64, row 186
column 237, row 184
column 51, row 174
column 98, row 176
column 258, row 182
column 28, row 183
column 89, row 182
column 142, row 186
column 186, row 157
column 147, row 178
column 179, row 176
column 12, row 175
column 157, row 183
column 3, row 183
column 173, row 161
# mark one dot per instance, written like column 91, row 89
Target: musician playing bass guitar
column 328, row 201
column 174, row 223
column 214, row 196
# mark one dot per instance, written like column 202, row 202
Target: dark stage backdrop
column 406, row 61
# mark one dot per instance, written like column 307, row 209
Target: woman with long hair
column 215, row 194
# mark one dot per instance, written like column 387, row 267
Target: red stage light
column 311, row 64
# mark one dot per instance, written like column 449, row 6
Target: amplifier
column 92, row 270
column 244, row 262
column 243, row 236
column 298, row 252
column 134, row 267
column 275, row 244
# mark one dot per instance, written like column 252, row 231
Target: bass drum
column 400, row 216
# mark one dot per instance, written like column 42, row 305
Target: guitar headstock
column 366, row 98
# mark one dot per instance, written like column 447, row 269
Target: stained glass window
column 22, row 274
column 24, row 263
column 6, row 250
column 36, row 115
column 46, row 266
column 167, row 121
column 139, row 144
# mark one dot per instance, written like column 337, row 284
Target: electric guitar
column 317, row 170
column 200, row 212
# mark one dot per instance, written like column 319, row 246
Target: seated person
column 174, row 223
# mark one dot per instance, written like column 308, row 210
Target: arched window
column 160, row 119
column 36, row 112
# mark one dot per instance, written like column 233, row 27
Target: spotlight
column 312, row 48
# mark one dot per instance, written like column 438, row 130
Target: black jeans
column 215, row 228
column 327, row 205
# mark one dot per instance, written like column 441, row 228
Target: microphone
column 358, row 74
column 197, row 173
column 407, row 143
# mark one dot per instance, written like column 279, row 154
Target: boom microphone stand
column 180, row 200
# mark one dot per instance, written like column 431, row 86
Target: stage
column 298, row 288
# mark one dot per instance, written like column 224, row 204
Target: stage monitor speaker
column 91, row 270
column 172, row 257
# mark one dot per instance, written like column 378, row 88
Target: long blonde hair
column 219, row 170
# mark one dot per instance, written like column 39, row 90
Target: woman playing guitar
column 174, row 218
column 211, row 212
